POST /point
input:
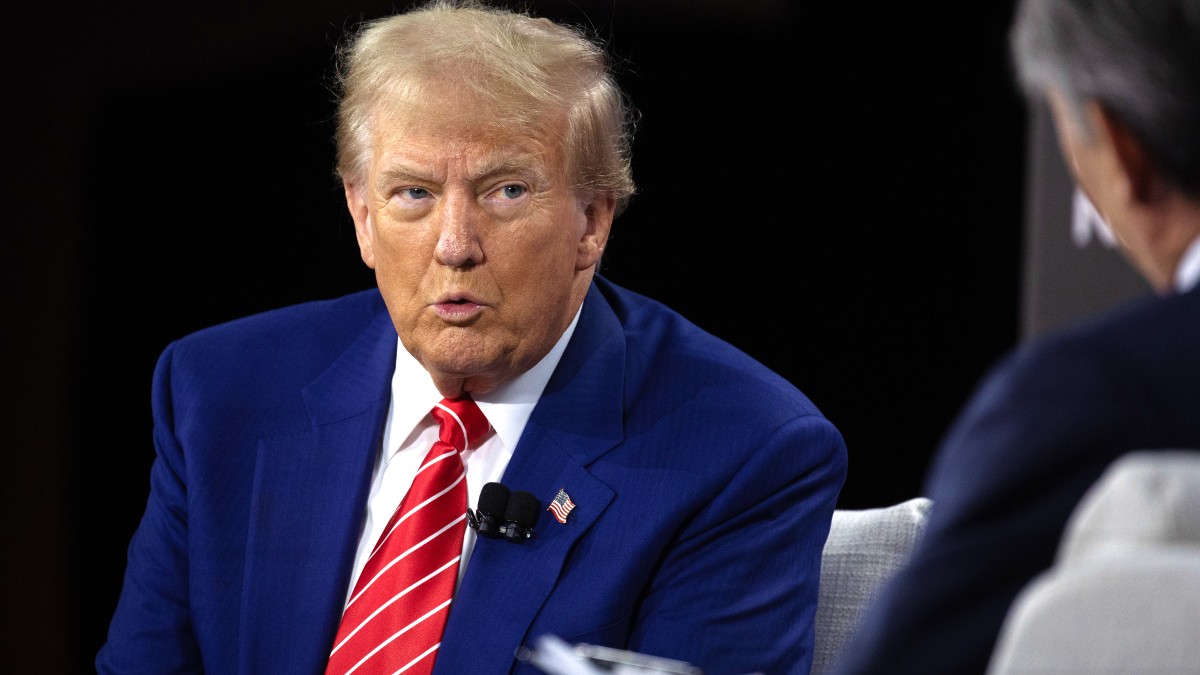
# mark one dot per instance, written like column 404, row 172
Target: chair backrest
column 1124, row 593
column 865, row 547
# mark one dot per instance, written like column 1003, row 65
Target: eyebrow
column 524, row 163
column 399, row 175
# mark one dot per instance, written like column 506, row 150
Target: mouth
column 457, row 307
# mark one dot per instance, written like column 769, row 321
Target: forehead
column 453, row 121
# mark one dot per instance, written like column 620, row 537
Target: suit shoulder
column 267, row 330
column 281, row 345
column 671, row 356
column 1123, row 380
column 1147, row 337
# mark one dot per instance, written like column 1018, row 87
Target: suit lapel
column 577, row 419
column 307, row 510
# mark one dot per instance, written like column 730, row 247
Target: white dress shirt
column 411, row 430
column 1187, row 273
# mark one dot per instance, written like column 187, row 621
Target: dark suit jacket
column 1037, row 434
column 704, row 486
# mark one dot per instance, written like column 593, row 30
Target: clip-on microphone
column 504, row 515
column 520, row 516
column 487, row 519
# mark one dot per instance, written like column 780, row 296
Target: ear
column 1133, row 163
column 598, row 211
column 364, row 229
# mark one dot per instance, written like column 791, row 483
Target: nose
column 458, row 242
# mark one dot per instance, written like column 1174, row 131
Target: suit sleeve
column 1035, row 436
column 150, row 630
column 738, row 590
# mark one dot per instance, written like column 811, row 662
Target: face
column 1092, row 154
column 481, row 249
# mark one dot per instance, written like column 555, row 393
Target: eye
column 513, row 191
column 414, row 193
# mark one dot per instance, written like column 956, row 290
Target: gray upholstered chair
column 865, row 547
column 1124, row 593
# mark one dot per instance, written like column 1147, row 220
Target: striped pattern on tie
column 395, row 616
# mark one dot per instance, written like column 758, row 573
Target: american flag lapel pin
column 561, row 506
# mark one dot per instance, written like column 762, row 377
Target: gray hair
column 523, row 68
column 1139, row 59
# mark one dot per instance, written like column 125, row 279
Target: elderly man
column 318, row 466
column 1122, row 78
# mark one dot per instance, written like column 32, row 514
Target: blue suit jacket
column 1037, row 434
column 704, row 486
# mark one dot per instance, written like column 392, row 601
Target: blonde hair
column 522, row 67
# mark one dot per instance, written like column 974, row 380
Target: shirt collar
column 1187, row 273
column 507, row 407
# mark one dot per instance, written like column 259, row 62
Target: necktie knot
column 462, row 422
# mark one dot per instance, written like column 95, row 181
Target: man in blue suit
column 1122, row 78
column 484, row 155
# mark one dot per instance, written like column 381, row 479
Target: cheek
column 553, row 258
column 402, row 262
column 400, row 242
column 532, row 274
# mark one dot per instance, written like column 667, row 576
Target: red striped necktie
column 394, row 619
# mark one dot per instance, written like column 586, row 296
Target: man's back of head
column 1123, row 78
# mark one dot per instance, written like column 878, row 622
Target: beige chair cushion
column 865, row 547
column 1143, row 499
column 1124, row 594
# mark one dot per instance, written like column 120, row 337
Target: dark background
column 836, row 188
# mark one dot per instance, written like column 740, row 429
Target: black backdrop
column 835, row 188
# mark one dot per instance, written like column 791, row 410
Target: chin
column 462, row 358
